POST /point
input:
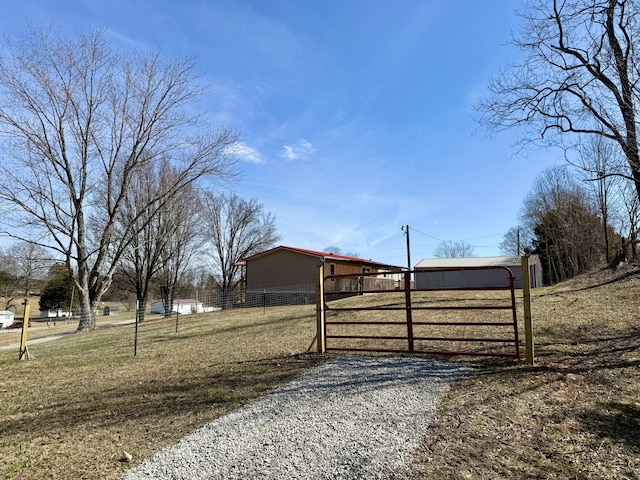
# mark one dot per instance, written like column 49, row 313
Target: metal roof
column 469, row 262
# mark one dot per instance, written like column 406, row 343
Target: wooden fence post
column 24, row 349
column 528, row 324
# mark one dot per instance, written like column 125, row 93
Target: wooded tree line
column 562, row 220
column 575, row 87
column 192, row 244
column 195, row 241
column 107, row 160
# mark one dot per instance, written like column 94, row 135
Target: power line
column 467, row 239
column 427, row 235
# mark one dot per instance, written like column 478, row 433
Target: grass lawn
column 574, row 415
column 72, row 410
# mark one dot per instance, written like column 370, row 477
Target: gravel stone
column 353, row 417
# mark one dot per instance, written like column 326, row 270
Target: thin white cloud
column 298, row 151
column 245, row 153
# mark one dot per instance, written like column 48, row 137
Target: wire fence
column 275, row 295
column 191, row 302
column 297, row 301
column 287, row 301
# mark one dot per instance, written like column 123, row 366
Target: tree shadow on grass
column 144, row 398
column 222, row 387
column 633, row 273
column 589, row 353
column 618, row 421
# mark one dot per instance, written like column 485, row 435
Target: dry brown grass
column 70, row 411
column 429, row 308
column 574, row 415
column 46, row 328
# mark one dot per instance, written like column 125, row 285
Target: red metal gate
column 390, row 312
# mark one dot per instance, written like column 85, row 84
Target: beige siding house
column 297, row 266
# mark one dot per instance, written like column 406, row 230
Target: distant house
column 298, row 266
column 183, row 306
column 6, row 318
column 442, row 273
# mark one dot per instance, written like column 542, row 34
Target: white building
column 184, row 306
column 6, row 318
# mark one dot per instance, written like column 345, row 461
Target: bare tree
column 159, row 224
column 599, row 163
column 236, row 229
column 338, row 251
column 579, row 76
column 630, row 221
column 30, row 263
column 78, row 122
column 178, row 241
column 512, row 242
column 565, row 224
column 9, row 286
column 451, row 249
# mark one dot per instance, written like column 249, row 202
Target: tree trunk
column 142, row 307
column 606, row 242
column 142, row 294
column 88, row 310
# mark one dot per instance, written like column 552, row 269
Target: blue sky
column 356, row 117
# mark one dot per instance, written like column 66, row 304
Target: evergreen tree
column 58, row 290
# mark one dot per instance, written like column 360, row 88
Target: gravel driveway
column 353, row 417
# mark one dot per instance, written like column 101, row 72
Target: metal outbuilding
column 442, row 273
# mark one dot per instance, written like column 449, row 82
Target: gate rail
column 405, row 286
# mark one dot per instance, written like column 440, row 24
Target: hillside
column 575, row 414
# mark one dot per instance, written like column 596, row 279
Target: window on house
column 332, row 270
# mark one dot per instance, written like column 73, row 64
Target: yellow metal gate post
column 528, row 324
column 24, row 350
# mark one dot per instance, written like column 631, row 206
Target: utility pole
column 408, row 247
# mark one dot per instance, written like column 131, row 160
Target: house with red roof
column 298, row 266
